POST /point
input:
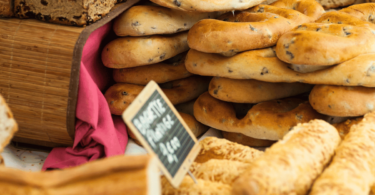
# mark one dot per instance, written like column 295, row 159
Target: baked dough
column 253, row 91
column 188, row 187
column 8, row 126
column 144, row 20
column 269, row 120
column 216, row 148
column 339, row 17
column 352, row 168
column 246, row 140
column 168, row 70
column 291, row 165
column 342, row 101
column 138, row 51
column 263, row 65
column 318, row 44
column 223, row 171
column 121, row 95
column 258, row 27
column 207, row 5
column 114, row 175
column 330, row 4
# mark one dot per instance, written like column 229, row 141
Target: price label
column 161, row 130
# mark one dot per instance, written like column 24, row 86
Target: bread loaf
column 291, row 165
column 246, row 140
column 188, row 187
column 342, row 101
column 151, row 20
column 207, row 5
column 6, row 8
column 135, row 175
column 253, row 91
column 79, row 13
column 263, row 65
column 329, row 4
column 319, row 44
column 352, row 170
column 8, row 126
column 168, row 70
column 269, row 120
column 216, row 148
column 258, row 27
column 344, row 127
column 223, row 171
column 138, row 51
column 121, row 95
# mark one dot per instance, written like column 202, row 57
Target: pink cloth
column 98, row 133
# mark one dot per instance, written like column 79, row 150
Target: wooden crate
column 39, row 73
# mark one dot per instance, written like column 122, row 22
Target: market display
column 289, row 86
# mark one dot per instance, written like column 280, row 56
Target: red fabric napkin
column 98, row 133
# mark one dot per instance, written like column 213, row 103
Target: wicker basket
column 40, row 66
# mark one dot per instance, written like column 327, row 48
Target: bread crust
column 145, row 20
column 324, row 44
column 207, row 5
column 121, row 95
column 253, row 91
column 263, row 65
column 246, row 140
column 168, row 70
column 291, row 165
column 258, row 27
column 216, row 148
column 342, row 101
column 352, row 168
column 8, row 125
column 269, row 120
column 138, row 51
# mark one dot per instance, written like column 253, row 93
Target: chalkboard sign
column 161, row 130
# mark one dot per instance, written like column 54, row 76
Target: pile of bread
column 263, row 72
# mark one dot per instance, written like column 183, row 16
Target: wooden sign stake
column 161, row 130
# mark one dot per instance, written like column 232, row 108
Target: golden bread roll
column 342, row 101
column 188, row 187
column 207, row 5
column 253, row 91
column 246, row 140
column 269, row 120
column 223, row 171
column 258, row 27
column 263, row 65
column 318, row 44
column 292, row 164
column 8, row 125
column 352, row 170
column 168, row 70
column 340, row 17
column 216, row 148
column 138, row 51
column 144, row 20
column 121, row 95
